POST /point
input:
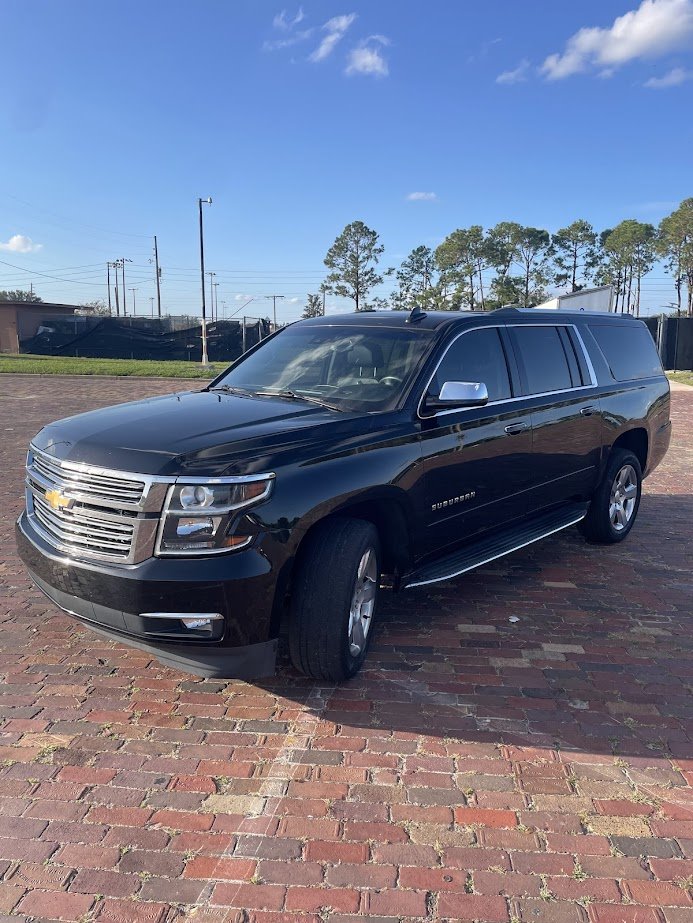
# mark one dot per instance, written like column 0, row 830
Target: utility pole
column 323, row 302
column 211, row 293
column 244, row 335
column 274, row 304
column 205, row 358
column 108, row 283
column 122, row 262
column 216, row 300
column 158, row 277
column 134, row 303
column 115, row 266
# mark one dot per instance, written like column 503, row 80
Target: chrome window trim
column 507, row 400
column 585, row 352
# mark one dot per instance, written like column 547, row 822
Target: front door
column 477, row 461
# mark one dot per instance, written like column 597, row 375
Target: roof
column 41, row 306
column 433, row 320
column 429, row 319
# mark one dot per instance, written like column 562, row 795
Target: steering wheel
column 391, row 380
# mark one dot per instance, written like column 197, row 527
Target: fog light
column 193, row 621
column 203, row 623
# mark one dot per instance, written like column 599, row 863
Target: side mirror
column 460, row 394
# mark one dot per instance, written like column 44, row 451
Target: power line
column 91, row 227
column 35, row 272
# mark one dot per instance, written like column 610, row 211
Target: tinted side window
column 544, row 359
column 629, row 350
column 475, row 356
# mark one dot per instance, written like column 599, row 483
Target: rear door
column 477, row 461
column 561, row 392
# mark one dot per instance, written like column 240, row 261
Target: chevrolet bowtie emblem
column 56, row 500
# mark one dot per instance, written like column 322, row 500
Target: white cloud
column 294, row 39
column 422, row 197
column 282, row 21
column 18, row 243
column 367, row 59
column 654, row 29
column 291, row 35
column 674, row 78
column 518, row 75
column 483, row 50
column 336, row 28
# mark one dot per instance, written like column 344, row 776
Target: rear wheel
column 615, row 504
column 334, row 599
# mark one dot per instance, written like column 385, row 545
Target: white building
column 588, row 299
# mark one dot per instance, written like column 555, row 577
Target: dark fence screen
column 141, row 338
column 674, row 339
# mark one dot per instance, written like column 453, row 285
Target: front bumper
column 110, row 598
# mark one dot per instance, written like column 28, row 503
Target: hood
column 194, row 432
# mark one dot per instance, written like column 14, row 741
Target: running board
column 496, row 546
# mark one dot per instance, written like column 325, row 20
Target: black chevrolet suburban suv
column 338, row 454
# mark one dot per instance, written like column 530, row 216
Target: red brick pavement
column 477, row 770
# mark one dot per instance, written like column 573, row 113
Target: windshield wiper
column 294, row 396
column 229, row 389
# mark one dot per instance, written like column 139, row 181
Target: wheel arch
column 389, row 511
column 636, row 441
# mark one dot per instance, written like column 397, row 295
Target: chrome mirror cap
column 463, row 394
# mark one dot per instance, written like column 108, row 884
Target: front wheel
column 334, row 599
column 615, row 505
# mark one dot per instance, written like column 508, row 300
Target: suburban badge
column 453, row 501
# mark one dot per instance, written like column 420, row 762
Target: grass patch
column 68, row 365
column 686, row 378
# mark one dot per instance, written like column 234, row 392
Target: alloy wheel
column 624, row 494
column 363, row 602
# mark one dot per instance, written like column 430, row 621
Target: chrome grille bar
column 103, row 514
column 97, row 540
column 89, row 483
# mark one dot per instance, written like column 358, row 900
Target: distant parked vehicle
column 339, row 451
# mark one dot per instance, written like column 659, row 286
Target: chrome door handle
column 514, row 428
column 588, row 411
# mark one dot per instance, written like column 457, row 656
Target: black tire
column 598, row 526
column 321, row 598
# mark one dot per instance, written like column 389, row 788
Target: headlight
column 201, row 517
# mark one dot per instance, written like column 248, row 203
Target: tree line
column 482, row 269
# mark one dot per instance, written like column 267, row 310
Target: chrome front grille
column 91, row 533
column 92, row 512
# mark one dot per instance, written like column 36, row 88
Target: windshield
column 349, row 368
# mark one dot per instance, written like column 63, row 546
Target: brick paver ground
column 478, row 769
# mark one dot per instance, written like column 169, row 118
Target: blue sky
column 297, row 119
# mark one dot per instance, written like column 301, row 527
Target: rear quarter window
column 629, row 350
